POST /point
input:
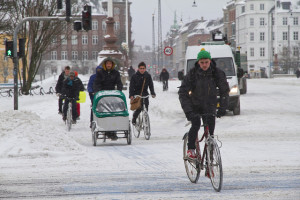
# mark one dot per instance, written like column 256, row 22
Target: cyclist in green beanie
column 198, row 96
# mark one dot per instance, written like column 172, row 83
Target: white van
column 222, row 55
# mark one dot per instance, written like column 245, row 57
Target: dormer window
column 286, row 5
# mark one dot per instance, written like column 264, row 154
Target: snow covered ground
column 39, row 159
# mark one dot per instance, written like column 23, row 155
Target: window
column 95, row 39
column 262, row 6
column 74, row 55
column 284, row 36
column 251, row 36
column 53, row 55
column 262, row 52
column 95, row 55
column 54, row 40
column 296, row 35
column 262, row 36
column 74, row 40
column 116, row 11
column 63, row 39
column 295, row 51
column 103, row 25
column 285, row 51
column 273, row 51
column 251, row 6
column 64, row 55
column 84, row 39
column 273, row 35
column 295, row 20
column 273, row 21
column 85, row 55
column 286, row 5
column 117, row 25
column 251, row 21
column 243, row 9
column 262, row 21
column 252, row 52
column 94, row 25
column 284, row 21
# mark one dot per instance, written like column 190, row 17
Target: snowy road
column 39, row 159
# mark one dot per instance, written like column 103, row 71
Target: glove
column 221, row 113
column 191, row 115
column 153, row 96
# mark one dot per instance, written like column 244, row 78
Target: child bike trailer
column 110, row 117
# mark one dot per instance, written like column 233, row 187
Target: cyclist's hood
column 103, row 64
column 98, row 68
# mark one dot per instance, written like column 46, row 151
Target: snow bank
column 25, row 134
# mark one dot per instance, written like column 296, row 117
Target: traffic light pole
column 15, row 54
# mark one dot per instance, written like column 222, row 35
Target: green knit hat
column 203, row 55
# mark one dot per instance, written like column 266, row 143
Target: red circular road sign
column 168, row 51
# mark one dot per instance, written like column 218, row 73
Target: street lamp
column 194, row 4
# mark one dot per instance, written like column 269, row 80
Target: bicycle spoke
column 192, row 167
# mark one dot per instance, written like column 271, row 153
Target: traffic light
column 9, row 47
column 21, row 52
column 59, row 4
column 68, row 9
column 77, row 25
column 87, row 18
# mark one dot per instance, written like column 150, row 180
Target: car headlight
column 234, row 90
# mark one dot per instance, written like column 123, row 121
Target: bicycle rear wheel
column 146, row 125
column 69, row 118
column 214, row 165
column 192, row 167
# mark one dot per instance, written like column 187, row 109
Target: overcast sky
column 142, row 10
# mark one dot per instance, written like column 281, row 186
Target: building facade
column 80, row 49
column 268, row 32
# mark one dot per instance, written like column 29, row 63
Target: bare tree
column 38, row 34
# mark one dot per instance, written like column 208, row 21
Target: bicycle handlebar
column 143, row 97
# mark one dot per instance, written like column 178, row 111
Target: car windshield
column 226, row 64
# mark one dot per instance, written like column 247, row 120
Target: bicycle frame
column 141, row 123
column 198, row 150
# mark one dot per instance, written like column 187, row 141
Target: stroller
column 111, row 117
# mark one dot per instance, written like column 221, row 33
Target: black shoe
column 73, row 121
column 64, row 118
column 60, row 113
column 114, row 136
column 133, row 121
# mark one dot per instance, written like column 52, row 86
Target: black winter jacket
column 164, row 76
column 198, row 91
column 136, row 84
column 59, row 84
column 71, row 88
column 106, row 80
column 79, row 83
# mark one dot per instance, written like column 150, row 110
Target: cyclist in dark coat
column 136, row 85
column 198, row 95
column 108, row 77
column 70, row 90
column 164, row 77
column 59, row 86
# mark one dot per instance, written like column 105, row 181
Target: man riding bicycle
column 198, row 95
column 135, row 87
column 164, row 77
column 70, row 90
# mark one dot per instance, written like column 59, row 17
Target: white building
column 268, row 31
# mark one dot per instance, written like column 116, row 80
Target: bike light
column 234, row 90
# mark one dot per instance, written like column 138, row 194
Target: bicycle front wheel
column 214, row 165
column 146, row 125
column 69, row 118
column 192, row 167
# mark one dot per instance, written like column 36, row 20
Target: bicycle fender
column 185, row 135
